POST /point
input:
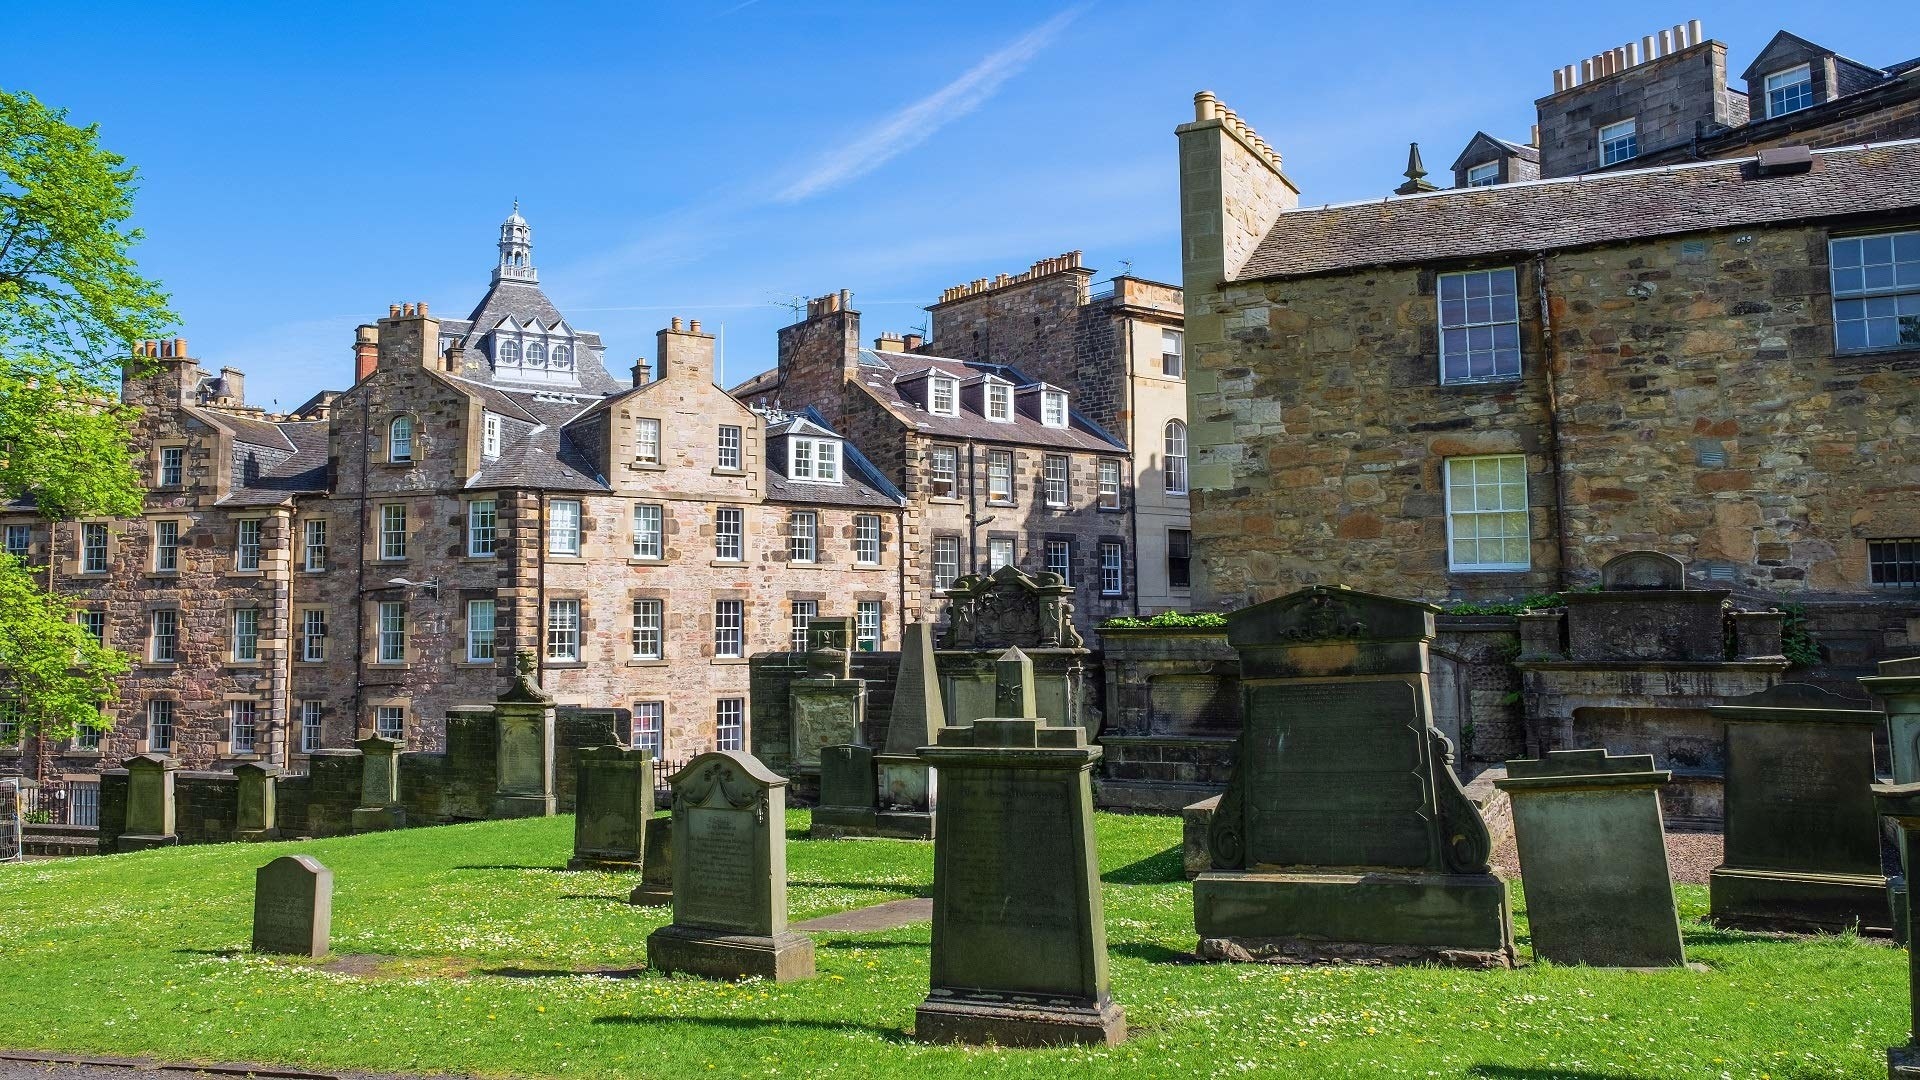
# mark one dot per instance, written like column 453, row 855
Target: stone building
column 1490, row 391
column 1044, row 426
column 484, row 486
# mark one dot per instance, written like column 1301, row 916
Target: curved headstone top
column 740, row 775
column 1008, row 608
column 1324, row 614
column 1643, row 570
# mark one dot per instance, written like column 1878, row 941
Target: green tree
column 72, row 303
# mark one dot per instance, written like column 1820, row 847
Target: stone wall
column 1671, row 99
column 206, row 806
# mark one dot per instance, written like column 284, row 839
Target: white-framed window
column 946, row 562
column 1055, row 477
column 1180, row 558
column 730, row 724
column 999, row 552
column 943, row 395
column 1053, row 408
column 1485, row 174
column 1000, row 476
column 563, row 630
column 803, row 536
column 313, row 548
column 866, row 626
column 243, row 726
column 1060, row 559
column 1479, row 325
column 817, row 460
column 166, row 547
column 313, row 635
column 510, row 352
column 1619, row 142
column 999, row 402
column 1894, row 563
column 480, row 615
column 94, row 622
column 163, row 636
column 160, row 725
column 800, row 617
column 729, row 524
column 400, row 440
column 1789, row 91
column 1487, row 513
column 390, row 722
column 563, row 527
column 1876, row 291
column 93, row 548
column 490, row 435
column 1113, row 574
column 393, row 531
column 649, row 621
column 943, row 469
column 1173, row 353
column 1109, row 475
column 391, row 632
column 246, row 544
column 729, row 446
column 562, row 358
column 173, row 466
column 20, row 541
column 483, row 528
column 648, row 537
column 246, row 634
column 728, row 628
column 536, row 354
column 1176, row 457
column 311, row 731
column 646, row 441
column 866, row 539
column 650, row 727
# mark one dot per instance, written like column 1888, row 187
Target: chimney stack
column 234, row 382
column 366, row 350
column 685, row 352
column 410, row 337
column 913, row 341
column 642, row 372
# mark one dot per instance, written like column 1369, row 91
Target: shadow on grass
column 863, row 943
column 1522, row 1072
column 744, row 1023
column 210, row 952
column 1166, row 868
column 1708, row 934
column 865, row 886
column 1151, row 953
column 621, row 900
column 548, row 869
column 560, row 973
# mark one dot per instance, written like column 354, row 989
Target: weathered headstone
column 379, row 786
column 1593, row 855
column 256, row 802
column 1004, row 610
column 150, row 808
column 908, row 786
column 1019, row 942
column 1344, row 833
column 730, row 875
column 524, row 782
column 656, row 868
column 847, row 793
column 612, row 805
column 10, row 845
column 292, row 906
column 1013, row 684
column 828, row 707
column 1897, row 685
column 1901, row 802
column 1802, row 839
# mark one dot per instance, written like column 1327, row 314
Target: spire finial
column 1416, row 174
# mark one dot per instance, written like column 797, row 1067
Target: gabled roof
column 1483, row 142
column 862, row 483
column 524, row 303
column 881, row 374
column 1788, row 49
column 265, row 474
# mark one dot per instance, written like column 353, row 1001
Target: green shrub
column 1176, row 620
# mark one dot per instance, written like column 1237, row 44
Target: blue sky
column 304, row 167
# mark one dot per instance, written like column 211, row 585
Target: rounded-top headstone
column 292, row 906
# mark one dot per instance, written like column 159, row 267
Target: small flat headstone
column 292, row 906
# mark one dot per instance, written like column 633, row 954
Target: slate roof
column 862, row 483
column 524, row 302
column 274, row 460
column 882, row 373
column 540, row 454
column 1519, row 150
column 1576, row 211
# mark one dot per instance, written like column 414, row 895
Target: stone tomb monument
column 10, row 847
column 1901, row 802
column 829, row 705
column 1593, row 854
column 149, row 803
column 613, row 802
column 1008, row 609
column 1897, row 685
column 379, row 786
column 656, row 866
column 848, row 795
column 730, row 875
column 908, row 787
column 292, row 906
column 1019, row 942
column 1802, row 839
column 1344, row 833
column 524, row 721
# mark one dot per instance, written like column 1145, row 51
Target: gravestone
column 827, row 707
column 1013, row 684
column 379, row 807
column 1019, row 942
column 1004, row 610
column 1344, row 833
column 150, row 806
column 908, row 787
column 1643, row 570
column 613, row 802
column 1897, row 685
column 1802, row 839
column 1901, row 802
column 292, row 906
column 1593, row 855
column 848, row 794
column 256, row 809
column 10, row 846
column 730, row 875
column 523, row 763
column 656, row 868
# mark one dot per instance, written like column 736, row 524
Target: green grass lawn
column 144, row 955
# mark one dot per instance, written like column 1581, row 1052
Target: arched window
column 536, row 354
column 400, row 439
column 562, row 357
column 1176, row 477
column 510, row 352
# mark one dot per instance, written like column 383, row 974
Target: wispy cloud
column 915, row 123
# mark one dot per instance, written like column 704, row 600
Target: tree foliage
column 59, row 676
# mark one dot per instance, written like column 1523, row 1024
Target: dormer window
column 1485, row 175
column 1619, row 142
column 536, row 354
column 490, row 435
column 400, row 440
column 1053, row 408
column 943, row 396
column 509, row 352
column 816, row 460
column 562, row 358
column 999, row 402
column 1789, row 91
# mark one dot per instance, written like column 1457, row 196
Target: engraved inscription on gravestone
column 292, row 906
column 986, row 871
column 719, row 888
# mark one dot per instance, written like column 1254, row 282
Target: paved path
column 25, row 1065
column 891, row 915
